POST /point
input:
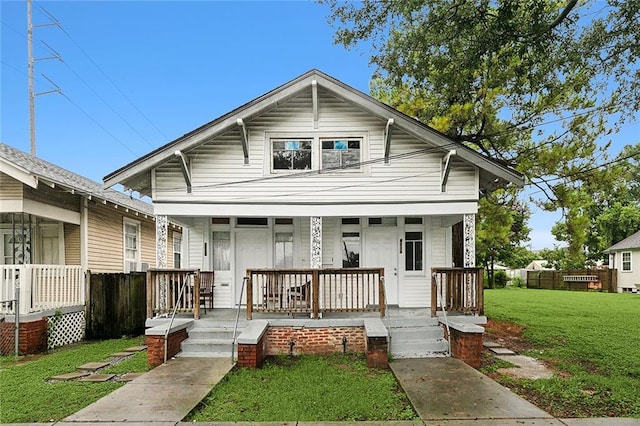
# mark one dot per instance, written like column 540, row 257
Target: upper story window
column 626, row 261
column 289, row 154
column 340, row 153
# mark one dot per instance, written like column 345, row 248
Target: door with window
column 221, row 265
column 381, row 249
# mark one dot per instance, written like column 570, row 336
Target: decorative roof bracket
column 244, row 139
column 185, row 169
column 387, row 140
column 314, row 95
column 446, row 167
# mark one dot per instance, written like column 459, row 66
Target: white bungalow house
column 624, row 256
column 315, row 175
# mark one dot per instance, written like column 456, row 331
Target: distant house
column 54, row 222
column 537, row 265
column 625, row 258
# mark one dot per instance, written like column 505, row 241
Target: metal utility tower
column 31, row 61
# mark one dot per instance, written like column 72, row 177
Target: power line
column 108, row 78
column 97, row 123
column 107, row 104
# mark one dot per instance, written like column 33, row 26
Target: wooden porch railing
column 312, row 291
column 458, row 289
column 42, row 287
column 163, row 291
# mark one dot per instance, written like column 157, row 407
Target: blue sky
column 136, row 75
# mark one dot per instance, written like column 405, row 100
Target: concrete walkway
column 444, row 391
column 447, row 389
column 164, row 395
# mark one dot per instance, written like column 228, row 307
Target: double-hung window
column 291, row 154
column 341, row 153
column 131, row 245
column 177, row 250
column 626, row 261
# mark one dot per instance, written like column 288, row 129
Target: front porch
column 314, row 311
column 312, row 292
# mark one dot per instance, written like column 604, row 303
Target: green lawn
column 592, row 339
column 26, row 395
column 307, row 388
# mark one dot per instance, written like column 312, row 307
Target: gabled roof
column 31, row 171
column 136, row 174
column 632, row 242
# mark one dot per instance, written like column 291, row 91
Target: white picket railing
column 42, row 287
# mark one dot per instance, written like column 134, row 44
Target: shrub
column 518, row 282
column 500, row 279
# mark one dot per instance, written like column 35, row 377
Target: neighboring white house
column 625, row 258
column 315, row 174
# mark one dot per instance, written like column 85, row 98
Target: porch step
column 206, row 347
column 210, row 339
column 416, row 338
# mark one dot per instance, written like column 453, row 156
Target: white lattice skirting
column 65, row 328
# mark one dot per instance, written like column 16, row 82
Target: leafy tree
column 531, row 83
column 500, row 229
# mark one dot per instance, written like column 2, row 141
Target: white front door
column 381, row 249
column 252, row 250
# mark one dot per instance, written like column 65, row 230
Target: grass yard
column 307, row 388
column 590, row 339
column 27, row 396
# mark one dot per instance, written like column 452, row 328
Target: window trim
column 177, row 236
column 630, row 261
column 316, row 149
column 137, row 224
column 270, row 142
column 354, row 169
column 414, row 227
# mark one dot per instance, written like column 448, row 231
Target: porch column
column 316, row 242
column 161, row 241
column 469, row 240
column 161, row 257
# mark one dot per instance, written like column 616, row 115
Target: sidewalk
column 444, row 391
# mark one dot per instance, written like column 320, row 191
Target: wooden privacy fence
column 574, row 279
column 312, row 291
column 116, row 305
column 457, row 290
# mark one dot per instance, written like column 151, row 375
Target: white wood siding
column 218, row 163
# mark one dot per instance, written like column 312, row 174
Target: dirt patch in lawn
column 507, row 334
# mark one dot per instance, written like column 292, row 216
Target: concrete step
column 416, row 333
column 227, row 354
column 211, row 333
column 399, row 322
column 417, row 337
column 206, row 345
column 424, row 349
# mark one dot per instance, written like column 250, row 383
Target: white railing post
column 25, row 281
